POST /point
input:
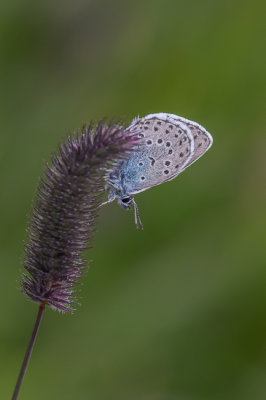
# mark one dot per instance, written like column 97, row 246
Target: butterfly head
column 125, row 201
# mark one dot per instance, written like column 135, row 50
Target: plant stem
column 28, row 352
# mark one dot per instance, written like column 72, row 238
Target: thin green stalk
column 28, row 352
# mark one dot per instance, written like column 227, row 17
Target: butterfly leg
column 111, row 198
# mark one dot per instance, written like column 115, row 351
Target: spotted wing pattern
column 202, row 138
column 166, row 149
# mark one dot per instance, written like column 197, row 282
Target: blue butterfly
column 170, row 144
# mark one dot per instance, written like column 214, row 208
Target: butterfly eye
column 126, row 200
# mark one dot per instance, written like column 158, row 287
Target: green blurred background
column 178, row 311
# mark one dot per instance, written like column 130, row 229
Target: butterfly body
column 168, row 145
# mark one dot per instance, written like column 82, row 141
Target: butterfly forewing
column 167, row 147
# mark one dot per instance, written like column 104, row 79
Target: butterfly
column 168, row 145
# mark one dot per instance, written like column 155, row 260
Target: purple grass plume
column 64, row 212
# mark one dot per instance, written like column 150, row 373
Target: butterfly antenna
column 137, row 217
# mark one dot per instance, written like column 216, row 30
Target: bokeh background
column 178, row 311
